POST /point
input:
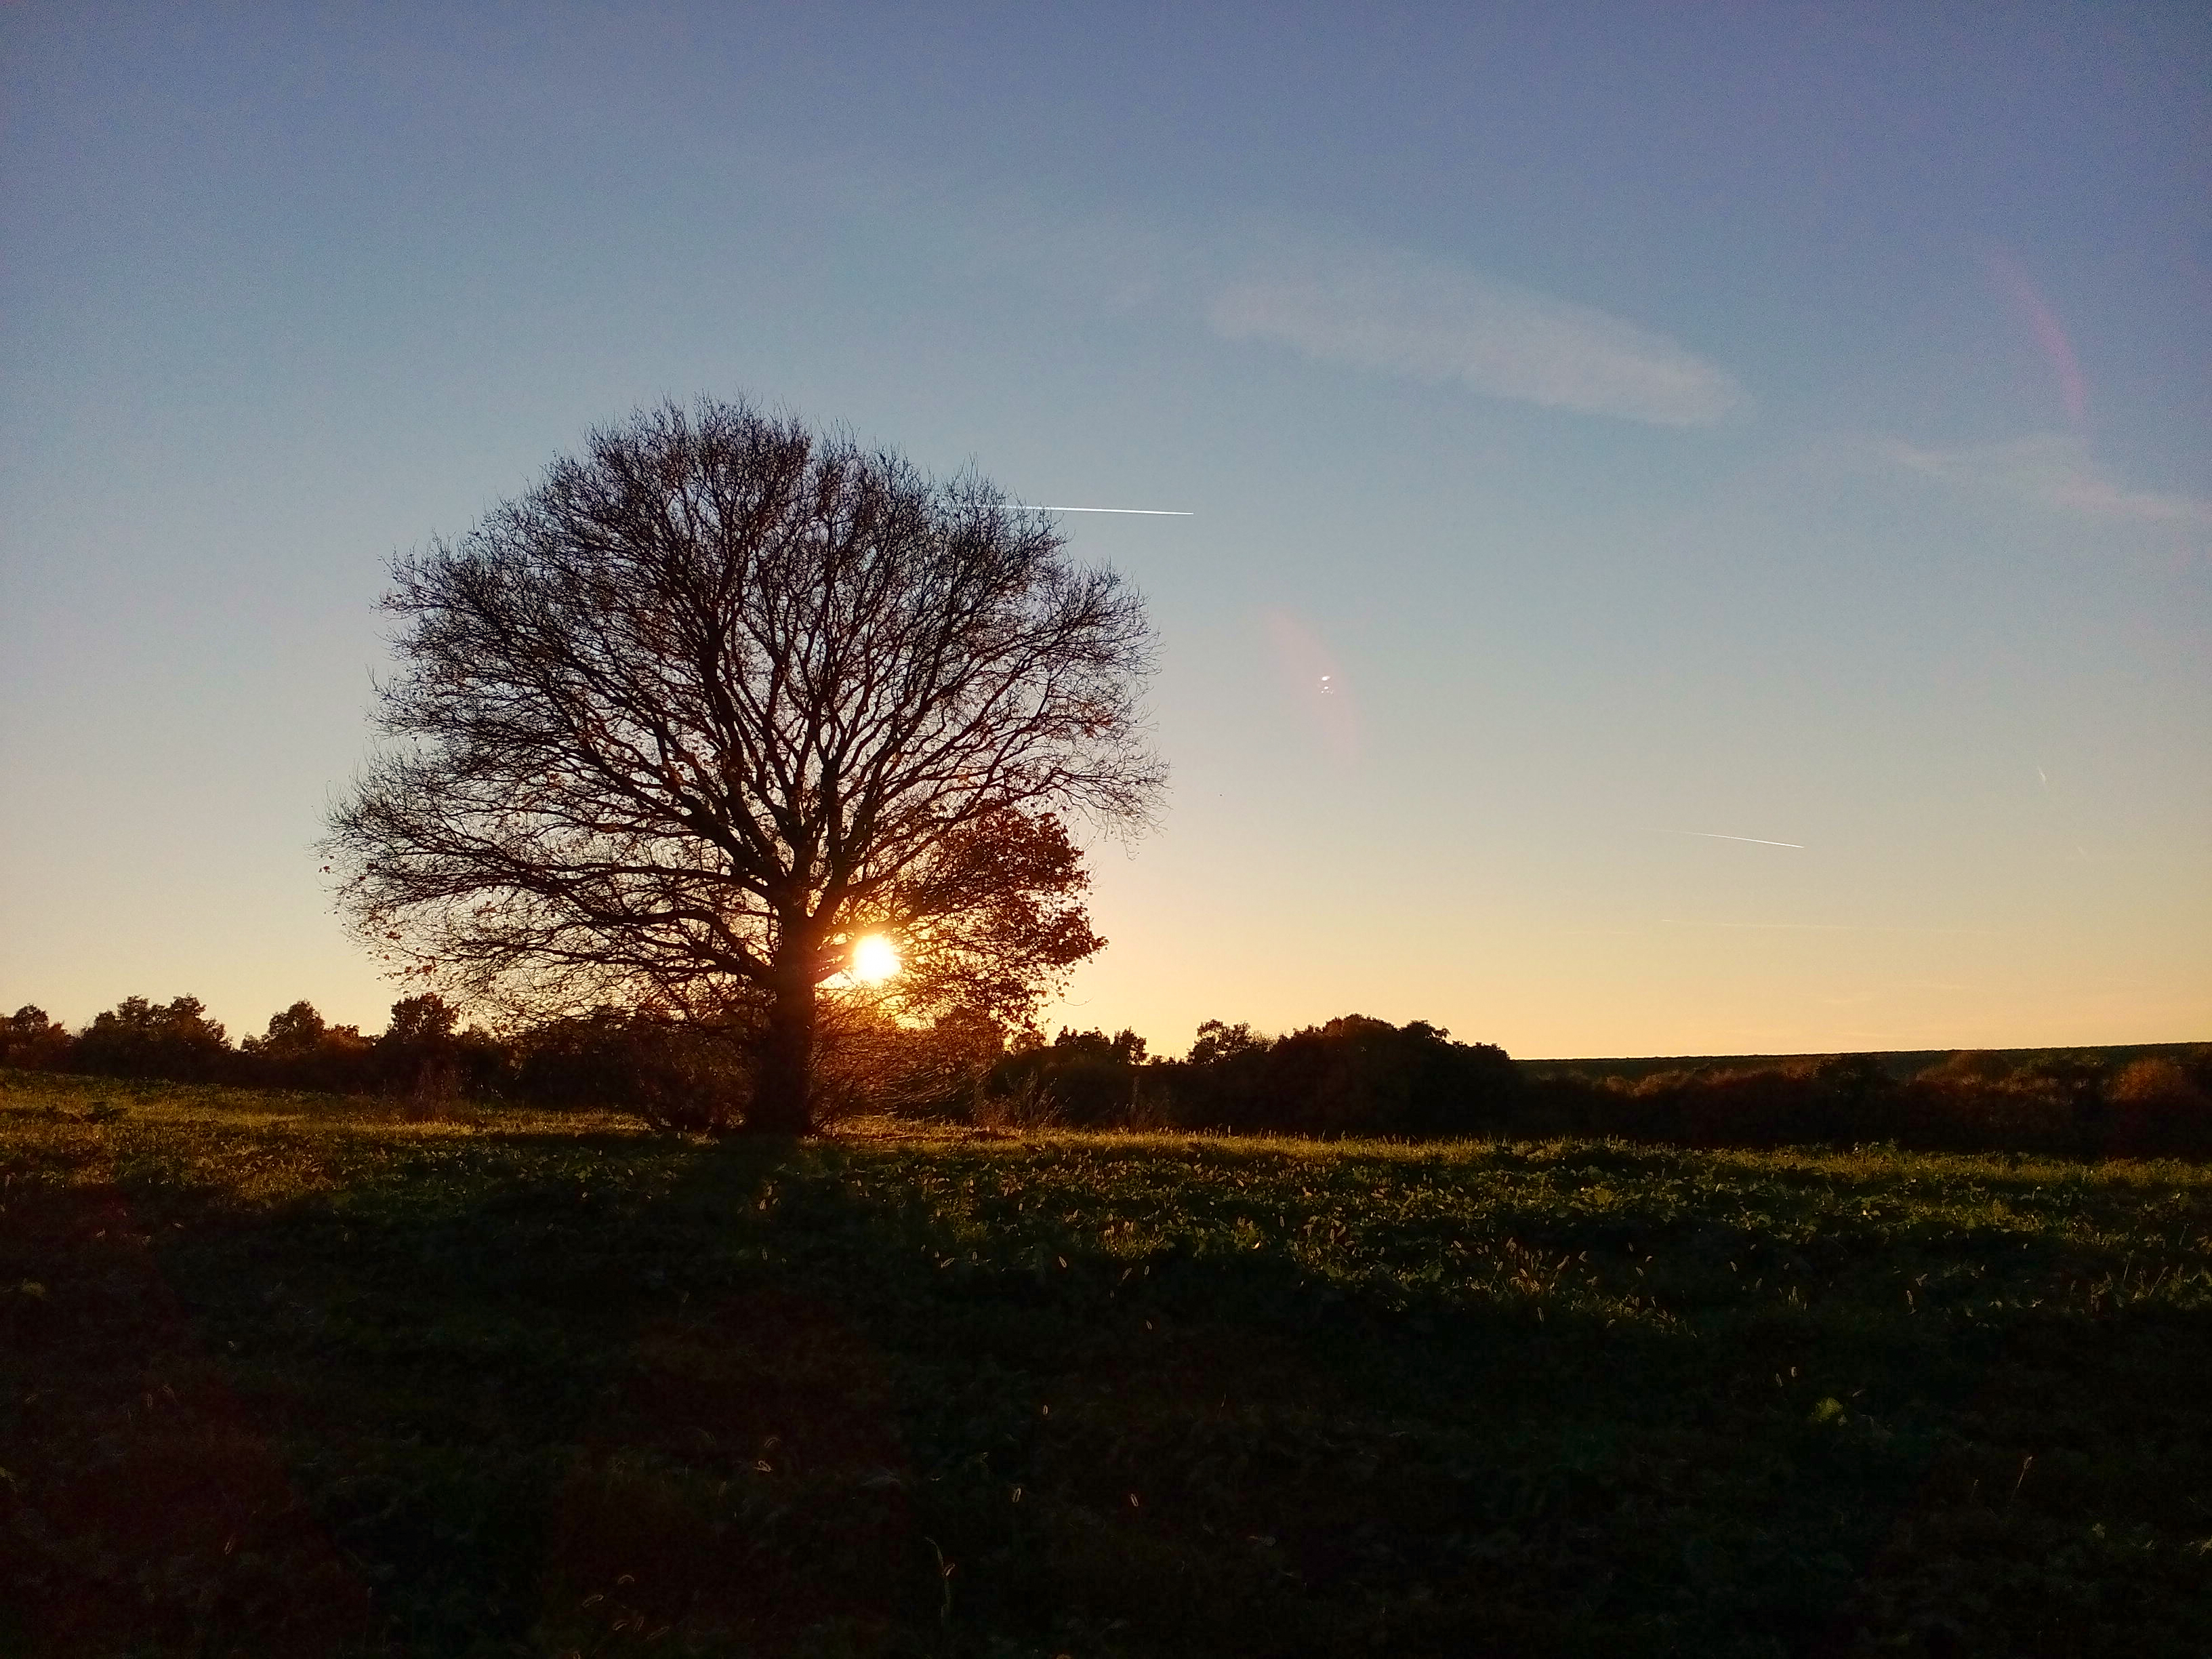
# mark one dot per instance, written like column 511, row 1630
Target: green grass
column 289, row 1375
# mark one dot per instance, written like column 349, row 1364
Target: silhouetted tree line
column 420, row 1052
column 2070, row 1104
column 674, row 1074
column 1357, row 1076
column 1354, row 1076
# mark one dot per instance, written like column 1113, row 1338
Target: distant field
column 290, row 1375
column 1899, row 1063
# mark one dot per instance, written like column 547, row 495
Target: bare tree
column 722, row 698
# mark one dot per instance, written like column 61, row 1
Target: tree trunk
column 783, row 1094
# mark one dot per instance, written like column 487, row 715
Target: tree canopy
column 724, row 695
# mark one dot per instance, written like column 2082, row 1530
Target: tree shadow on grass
column 145, row 1506
column 328, row 1422
column 557, row 1394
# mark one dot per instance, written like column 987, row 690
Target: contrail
column 1707, row 834
column 1147, row 511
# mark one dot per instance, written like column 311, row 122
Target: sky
column 1701, row 517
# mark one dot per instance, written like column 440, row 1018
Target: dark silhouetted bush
column 1841, row 1098
column 422, row 1057
column 674, row 1075
column 299, row 1051
column 869, row 1062
column 2064, row 1103
column 30, row 1042
column 1082, row 1079
column 1354, row 1076
column 1358, row 1076
column 2156, row 1107
column 175, row 1041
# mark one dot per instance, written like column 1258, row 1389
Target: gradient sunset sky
column 1745, row 472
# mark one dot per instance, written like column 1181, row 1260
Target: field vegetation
column 1352, row 1076
column 290, row 1373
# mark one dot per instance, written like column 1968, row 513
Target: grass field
column 289, row 1375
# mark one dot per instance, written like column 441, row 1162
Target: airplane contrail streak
column 1707, row 834
column 1145, row 512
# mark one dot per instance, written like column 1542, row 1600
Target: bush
column 299, row 1051
column 175, row 1041
column 30, row 1041
column 1358, row 1076
column 421, row 1056
column 864, row 1061
column 2156, row 1107
column 2064, row 1103
column 673, row 1074
column 1354, row 1076
column 1084, row 1079
column 1841, row 1097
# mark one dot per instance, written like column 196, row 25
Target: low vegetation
column 288, row 1373
column 1352, row 1076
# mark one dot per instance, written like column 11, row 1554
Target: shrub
column 175, row 1041
column 1360, row 1076
column 299, row 1051
column 866, row 1060
column 2156, row 1107
column 1970, row 1066
column 30, row 1041
column 1085, row 1079
column 1354, row 1076
column 674, row 1074
column 1963, row 1113
column 1837, row 1098
column 421, row 1056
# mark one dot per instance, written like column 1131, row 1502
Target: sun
column 874, row 961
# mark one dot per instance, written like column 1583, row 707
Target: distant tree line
column 1354, row 1076
column 1357, row 1076
column 420, row 1048
column 2080, row 1104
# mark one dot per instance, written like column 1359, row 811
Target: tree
column 719, row 699
column 298, row 1030
column 174, row 1039
column 1085, row 1078
column 32, row 1042
column 302, row 1050
column 1217, row 1042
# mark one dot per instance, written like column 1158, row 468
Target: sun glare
column 874, row 961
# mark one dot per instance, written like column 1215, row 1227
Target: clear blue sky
column 1660, row 424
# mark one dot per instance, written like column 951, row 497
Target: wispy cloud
column 1817, row 927
column 1399, row 313
column 2053, row 472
